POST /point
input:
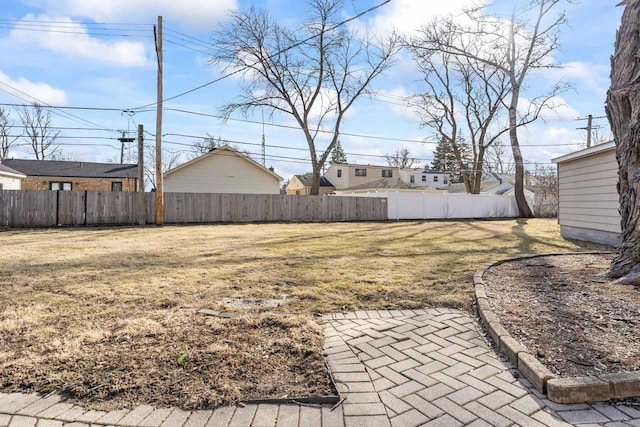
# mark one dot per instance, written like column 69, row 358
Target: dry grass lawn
column 110, row 315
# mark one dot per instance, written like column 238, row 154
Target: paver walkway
column 392, row 368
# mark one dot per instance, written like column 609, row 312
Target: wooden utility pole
column 589, row 128
column 159, row 184
column 141, row 158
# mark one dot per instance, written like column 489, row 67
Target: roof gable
column 7, row 171
column 306, row 180
column 221, row 151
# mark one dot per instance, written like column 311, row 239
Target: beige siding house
column 348, row 175
column 588, row 197
column 300, row 185
column 222, row 170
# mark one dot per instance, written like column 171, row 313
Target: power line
column 69, row 116
column 353, row 18
column 357, row 135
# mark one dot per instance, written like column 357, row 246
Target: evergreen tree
column 337, row 155
column 444, row 159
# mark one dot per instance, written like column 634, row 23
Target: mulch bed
column 567, row 313
column 187, row 360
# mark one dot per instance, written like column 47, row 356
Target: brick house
column 76, row 176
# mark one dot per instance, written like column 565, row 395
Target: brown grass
column 79, row 304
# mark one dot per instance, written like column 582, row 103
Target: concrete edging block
column 578, row 390
column 511, row 348
column 623, row 384
column 535, row 371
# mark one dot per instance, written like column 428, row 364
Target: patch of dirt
column 186, row 360
column 564, row 311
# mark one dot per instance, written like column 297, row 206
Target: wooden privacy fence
column 80, row 208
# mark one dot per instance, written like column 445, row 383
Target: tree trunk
column 523, row 207
column 315, row 180
column 623, row 111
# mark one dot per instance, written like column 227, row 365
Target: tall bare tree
column 463, row 100
column 401, row 158
column 8, row 136
column 39, row 131
column 623, row 110
column 314, row 73
column 499, row 160
column 516, row 48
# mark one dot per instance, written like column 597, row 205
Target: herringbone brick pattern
column 392, row 368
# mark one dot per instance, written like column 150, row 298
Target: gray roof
column 306, row 180
column 72, row 169
column 7, row 169
column 388, row 183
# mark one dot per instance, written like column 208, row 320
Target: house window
column 60, row 185
column 424, row 178
column 339, row 173
column 387, row 173
column 412, row 179
column 445, row 180
column 361, row 172
column 435, row 178
column 116, row 186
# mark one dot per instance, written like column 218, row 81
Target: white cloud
column 42, row 92
column 192, row 14
column 594, row 77
column 409, row 15
column 74, row 41
column 556, row 108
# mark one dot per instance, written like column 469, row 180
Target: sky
column 98, row 58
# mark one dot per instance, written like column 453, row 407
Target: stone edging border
column 560, row 390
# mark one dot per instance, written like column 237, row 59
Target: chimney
column 527, row 178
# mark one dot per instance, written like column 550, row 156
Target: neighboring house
column 349, row 176
column 300, row 185
column 421, row 177
column 10, row 179
column 222, row 170
column 80, row 176
column 344, row 175
column 588, row 195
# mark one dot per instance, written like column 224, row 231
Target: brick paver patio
column 392, row 368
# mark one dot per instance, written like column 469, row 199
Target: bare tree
column 205, row 145
column 169, row 161
column 545, row 184
column 515, row 48
column 498, row 160
column 7, row 136
column 463, row 100
column 401, row 158
column 314, row 73
column 38, row 127
column 623, row 104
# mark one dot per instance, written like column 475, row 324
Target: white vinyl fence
column 404, row 205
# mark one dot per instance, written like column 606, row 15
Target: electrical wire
column 281, row 51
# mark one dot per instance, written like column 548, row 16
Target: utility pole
column 159, row 183
column 264, row 161
column 141, row 158
column 590, row 127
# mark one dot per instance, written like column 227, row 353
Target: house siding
column 9, row 183
column 349, row 178
column 79, row 184
column 588, row 198
column 224, row 172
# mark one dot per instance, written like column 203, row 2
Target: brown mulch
column 566, row 312
column 190, row 361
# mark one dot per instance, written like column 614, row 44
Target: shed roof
column 611, row 145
